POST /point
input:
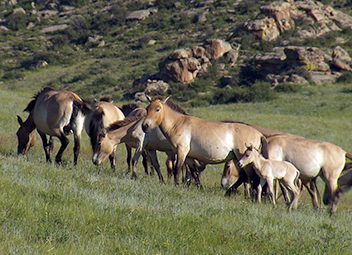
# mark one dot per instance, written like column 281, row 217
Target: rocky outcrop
column 54, row 29
column 264, row 29
column 312, row 19
column 3, row 29
column 341, row 59
column 141, row 14
column 286, row 65
column 184, row 65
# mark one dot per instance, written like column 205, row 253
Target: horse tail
column 297, row 181
column 76, row 120
column 349, row 155
column 264, row 147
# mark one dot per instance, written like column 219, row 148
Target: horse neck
column 169, row 120
column 123, row 134
column 29, row 123
column 259, row 161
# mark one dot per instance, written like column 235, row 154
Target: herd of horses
column 256, row 157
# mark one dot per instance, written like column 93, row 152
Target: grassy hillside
column 67, row 210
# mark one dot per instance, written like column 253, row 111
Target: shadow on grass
column 347, row 90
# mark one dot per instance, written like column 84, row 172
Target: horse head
column 25, row 135
column 155, row 114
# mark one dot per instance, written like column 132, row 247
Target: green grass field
column 74, row 210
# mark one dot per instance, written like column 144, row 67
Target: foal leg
column 76, row 147
column 64, row 142
column 270, row 182
column 46, row 146
column 129, row 156
column 154, row 160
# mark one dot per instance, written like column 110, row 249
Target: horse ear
column 165, row 100
column 19, row 120
column 148, row 98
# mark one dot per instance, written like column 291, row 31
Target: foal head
column 155, row 115
column 230, row 174
column 25, row 135
column 248, row 157
column 103, row 149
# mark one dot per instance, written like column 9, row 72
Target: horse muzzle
column 96, row 161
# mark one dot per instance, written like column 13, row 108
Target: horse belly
column 309, row 166
column 209, row 154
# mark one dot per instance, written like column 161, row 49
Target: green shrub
column 12, row 75
column 288, row 88
column 345, row 78
column 259, row 92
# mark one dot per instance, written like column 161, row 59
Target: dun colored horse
column 53, row 113
column 270, row 170
column 99, row 116
column 312, row 158
column 209, row 142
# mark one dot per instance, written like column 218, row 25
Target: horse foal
column 270, row 170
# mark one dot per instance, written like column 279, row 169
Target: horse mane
column 105, row 99
column 172, row 105
column 128, row 108
column 235, row 122
column 31, row 104
column 122, row 123
column 95, row 126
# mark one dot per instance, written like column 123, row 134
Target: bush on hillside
column 345, row 78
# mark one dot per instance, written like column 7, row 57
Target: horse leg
column 64, row 142
column 313, row 193
column 332, row 188
column 51, row 144
column 169, row 166
column 260, row 189
column 181, row 157
column 129, row 156
column 195, row 175
column 46, row 146
column 145, row 162
column 76, row 147
column 285, row 193
column 154, row 160
column 112, row 159
column 135, row 158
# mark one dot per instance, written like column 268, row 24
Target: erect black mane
column 31, row 104
column 96, row 126
column 172, row 105
column 128, row 108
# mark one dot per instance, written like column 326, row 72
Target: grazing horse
column 99, row 116
column 54, row 113
column 209, row 142
column 312, row 158
column 345, row 184
column 270, row 170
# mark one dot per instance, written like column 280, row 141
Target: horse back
column 111, row 113
column 53, row 110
